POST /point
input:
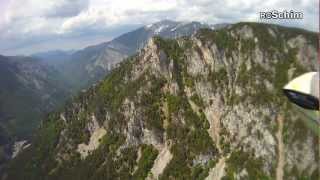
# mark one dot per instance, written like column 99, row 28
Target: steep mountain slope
column 87, row 66
column 205, row 107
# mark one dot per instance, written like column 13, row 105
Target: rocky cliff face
column 205, row 107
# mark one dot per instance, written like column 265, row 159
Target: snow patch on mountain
column 160, row 29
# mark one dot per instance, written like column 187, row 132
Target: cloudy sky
column 29, row 26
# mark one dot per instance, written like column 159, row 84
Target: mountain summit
column 205, row 107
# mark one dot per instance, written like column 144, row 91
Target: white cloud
column 49, row 8
column 104, row 14
column 67, row 8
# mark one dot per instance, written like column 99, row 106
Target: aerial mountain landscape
column 169, row 100
column 159, row 90
column 34, row 86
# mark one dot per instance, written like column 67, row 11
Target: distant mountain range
column 54, row 57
